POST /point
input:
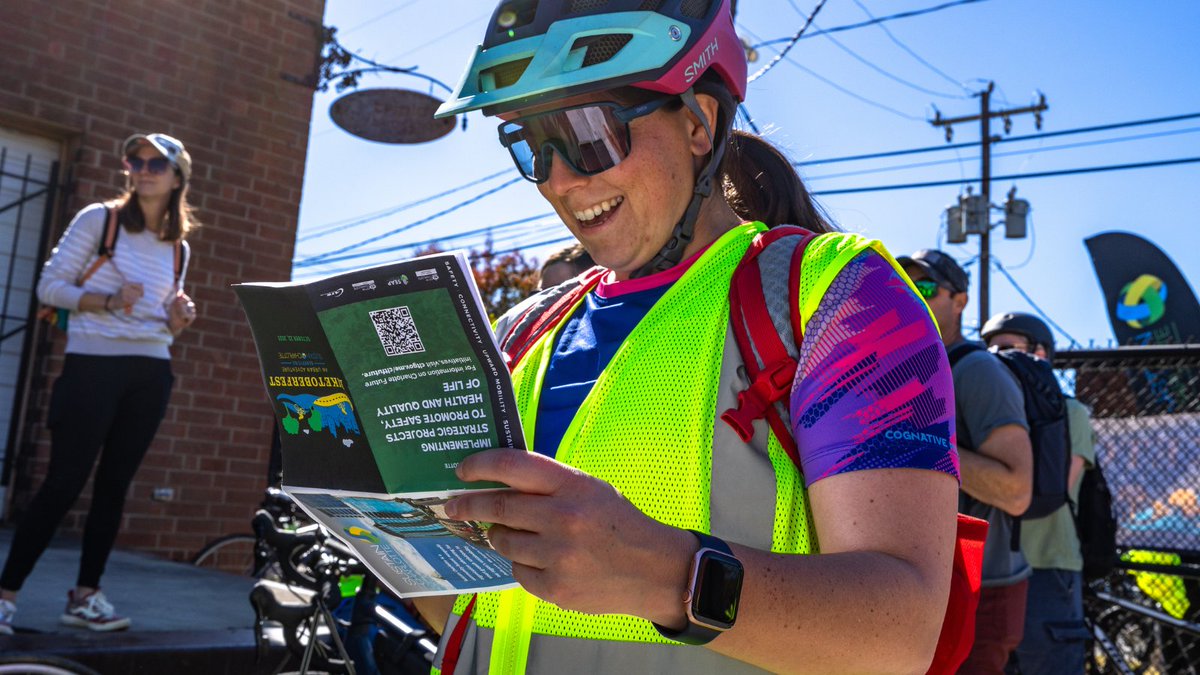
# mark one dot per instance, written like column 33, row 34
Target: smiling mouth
column 599, row 214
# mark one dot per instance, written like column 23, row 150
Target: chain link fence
column 1145, row 404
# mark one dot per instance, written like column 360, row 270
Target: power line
column 1102, row 127
column 1021, row 291
column 1039, row 174
column 795, row 38
column 842, row 89
column 436, row 240
column 1032, row 151
column 452, row 31
column 315, row 259
column 372, row 20
column 516, row 249
column 1007, row 139
column 343, row 225
column 872, row 22
column 910, row 52
column 866, row 62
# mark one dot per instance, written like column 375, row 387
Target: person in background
column 116, row 378
column 996, row 460
column 563, row 264
column 1055, row 635
column 636, row 495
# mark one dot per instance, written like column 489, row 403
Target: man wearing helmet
column 1055, row 635
column 996, row 454
column 647, row 534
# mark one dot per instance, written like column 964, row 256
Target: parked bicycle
column 326, row 623
column 246, row 553
column 1133, row 634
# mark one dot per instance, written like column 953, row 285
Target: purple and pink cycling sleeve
column 873, row 388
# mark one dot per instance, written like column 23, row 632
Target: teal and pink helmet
column 541, row 51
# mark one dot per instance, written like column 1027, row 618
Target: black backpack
column 1096, row 525
column 1046, row 414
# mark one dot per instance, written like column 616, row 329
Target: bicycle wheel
column 38, row 664
column 232, row 553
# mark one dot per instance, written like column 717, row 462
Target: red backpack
column 771, row 369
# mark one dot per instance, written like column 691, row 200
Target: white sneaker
column 7, row 611
column 93, row 612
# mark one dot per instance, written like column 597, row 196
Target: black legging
column 112, row 401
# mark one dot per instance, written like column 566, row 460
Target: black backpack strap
column 112, row 230
column 183, row 254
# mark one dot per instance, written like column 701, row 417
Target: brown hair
column 759, row 181
column 180, row 219
column 575, row 254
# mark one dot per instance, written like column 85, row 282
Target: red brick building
column 233, row 79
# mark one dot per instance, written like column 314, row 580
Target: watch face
column 717, row 591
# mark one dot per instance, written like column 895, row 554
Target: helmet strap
column 671, row 253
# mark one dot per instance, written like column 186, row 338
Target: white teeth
column 603, row 207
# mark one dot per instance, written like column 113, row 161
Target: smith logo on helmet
column 701, row 63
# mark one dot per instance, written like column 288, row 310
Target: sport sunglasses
column 592, row 138
column 155, row 165
column 927, row 288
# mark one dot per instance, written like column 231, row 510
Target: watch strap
column 694, row 633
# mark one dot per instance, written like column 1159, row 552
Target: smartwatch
column 713, row 592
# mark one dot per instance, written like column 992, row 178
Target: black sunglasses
column 592, row 138
column 154, row 165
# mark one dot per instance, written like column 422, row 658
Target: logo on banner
column 1142, row 301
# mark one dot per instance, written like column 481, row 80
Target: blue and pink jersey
column 873, row 387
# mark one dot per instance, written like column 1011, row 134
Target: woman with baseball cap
column 119, row 271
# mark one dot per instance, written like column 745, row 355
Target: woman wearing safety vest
column 649, row 535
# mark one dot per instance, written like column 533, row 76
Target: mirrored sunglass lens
column 926, row 288
column 594, row 139
column 591, row 140
column 154, row 165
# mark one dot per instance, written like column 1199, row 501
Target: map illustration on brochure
column 383, row 380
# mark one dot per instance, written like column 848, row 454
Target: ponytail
column 759, row 182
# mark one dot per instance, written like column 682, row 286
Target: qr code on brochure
column 397, row 332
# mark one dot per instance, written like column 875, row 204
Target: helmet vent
column 651, row 5
column 601, row 48
column 696, row 9
column 503, row 75
column 580, row 6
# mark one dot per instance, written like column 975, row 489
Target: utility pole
column 983, row 229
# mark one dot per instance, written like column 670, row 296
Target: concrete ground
column 186, row 620
column 157, row 594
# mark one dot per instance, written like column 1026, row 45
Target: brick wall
column 222, row 76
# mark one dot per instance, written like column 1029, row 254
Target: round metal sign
column 390, row 116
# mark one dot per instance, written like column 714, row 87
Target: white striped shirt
column 139, row 257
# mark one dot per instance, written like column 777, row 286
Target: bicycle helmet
column 541, row 51
column 1027, row 325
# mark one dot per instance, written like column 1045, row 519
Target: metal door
column 28, row 185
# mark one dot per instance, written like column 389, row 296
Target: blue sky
column 1098, row 62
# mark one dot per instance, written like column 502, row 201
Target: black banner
column 1148, row 300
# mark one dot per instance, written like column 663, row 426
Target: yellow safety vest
column 679, row 465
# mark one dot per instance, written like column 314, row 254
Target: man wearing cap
column 995, row 455
column 1055, row 634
